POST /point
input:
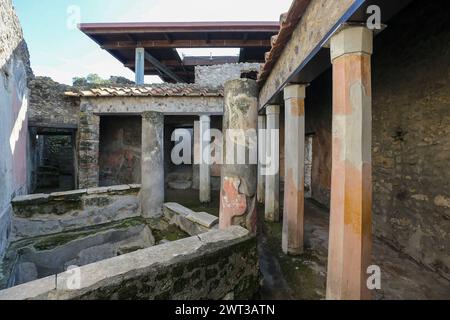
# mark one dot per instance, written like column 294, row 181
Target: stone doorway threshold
column 304, row 277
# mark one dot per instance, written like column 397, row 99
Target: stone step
column 192, row 222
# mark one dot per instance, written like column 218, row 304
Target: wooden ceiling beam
column 186, row 44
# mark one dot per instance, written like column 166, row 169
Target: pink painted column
column 349, row 253
column 272, row 195
column 239, row 171
column 294, row 178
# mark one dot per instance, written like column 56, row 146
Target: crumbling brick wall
column 49, row 105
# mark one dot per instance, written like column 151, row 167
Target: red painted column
column 239, row 171
column 294, row 178
column 349, row 253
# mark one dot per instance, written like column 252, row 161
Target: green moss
column 166, row 231
column 304, row 281
column 53, row 241
column 189, row 199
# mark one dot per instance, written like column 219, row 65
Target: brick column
column 205, row 168
column 349, row 252
column 261, row 158
column 152, row 190
column 238, row 180
column 88, row 147
column 272, row 197
column 294, row 185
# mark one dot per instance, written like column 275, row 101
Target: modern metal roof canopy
column 161, row 39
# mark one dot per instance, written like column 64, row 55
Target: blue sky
column 62, row 52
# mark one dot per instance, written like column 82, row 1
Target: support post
column 272, row 196
column 294, row 186
column 140, row 66
column 152, row 190
column 88, row 147
column 349, row 252
column 238, row 179
column 205, row 156
column 261, row 157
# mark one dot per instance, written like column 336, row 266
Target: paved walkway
column 304, row 277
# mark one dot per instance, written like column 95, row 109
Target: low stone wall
column 193, row 223
column 35, row 258
column 212, row 265
column 46, row 214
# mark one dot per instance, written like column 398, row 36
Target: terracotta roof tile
column 154, row 90
column 288, row 23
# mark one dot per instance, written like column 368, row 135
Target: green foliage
column 95, row 79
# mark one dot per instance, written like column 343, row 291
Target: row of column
column 153, row 162
column 349, row 251
column 351, row 185
column 269, row 182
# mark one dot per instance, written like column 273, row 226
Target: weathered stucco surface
column 411, row 142
column 120, row 150
column 166, row 105
column 14, row 75
column 317, row 21
column 238, row 181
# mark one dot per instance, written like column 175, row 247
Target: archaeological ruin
column 338, row 186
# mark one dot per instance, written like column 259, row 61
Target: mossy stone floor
column 304, row 277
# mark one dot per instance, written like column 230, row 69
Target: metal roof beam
column 161, row 67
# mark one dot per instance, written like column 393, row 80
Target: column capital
column 152, row 115
column 273, row 109
column 205, row 118
column 295, row 91
column 351, row 39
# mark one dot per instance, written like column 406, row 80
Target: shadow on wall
column 14, row 75
column 120, row 150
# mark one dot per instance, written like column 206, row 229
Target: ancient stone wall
column 44, row 214
column 411, row 140
column 49, row 106
column 88, row 140
column 217, row 75
column 318, row 124
column 15, row 72
column 214, row 265
column 120, row 150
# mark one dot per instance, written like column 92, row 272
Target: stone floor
column 190, row 199
column 304, row 277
